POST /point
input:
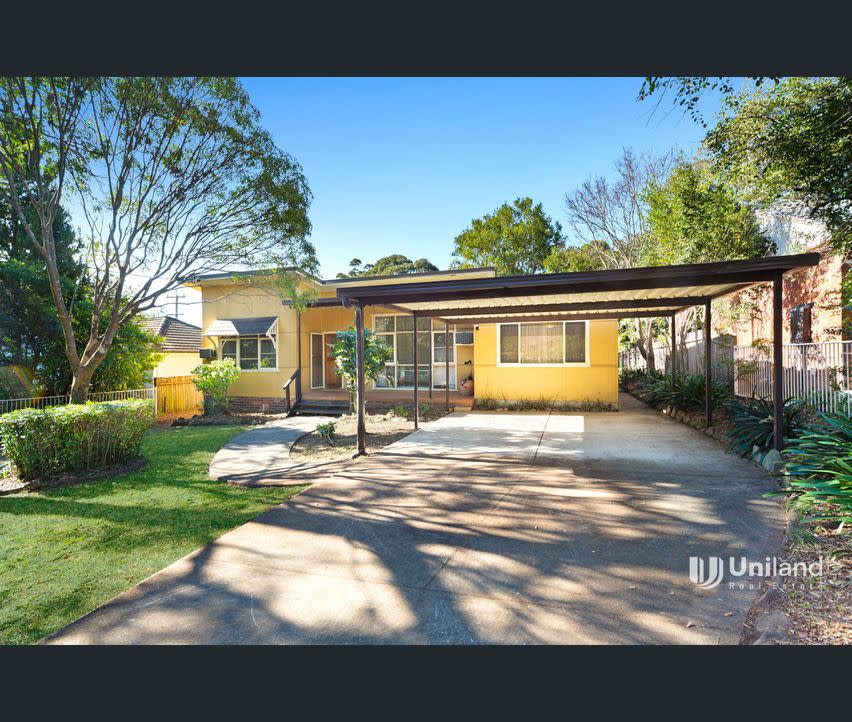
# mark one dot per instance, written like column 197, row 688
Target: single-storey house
column 548, row 336
column 180, row 347
column 245, row 318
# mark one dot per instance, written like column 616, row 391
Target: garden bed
column 818, row 609
column 382, row 430
column 226, row 419
column 12, row 485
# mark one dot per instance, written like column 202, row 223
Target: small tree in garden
column 376, row 355
column 213, row 380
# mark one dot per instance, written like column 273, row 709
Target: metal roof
column 259, row 326
column 620, row 293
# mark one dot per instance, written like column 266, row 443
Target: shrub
column 376, row 355
column 327, row 432
column 213, row 380
column 400, row 411
column 424, row 409
column 46, row 443
column 819, row 468
column 754, row 423
column 685, row 394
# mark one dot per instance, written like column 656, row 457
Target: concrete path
column 261, row 457
column 480, row 528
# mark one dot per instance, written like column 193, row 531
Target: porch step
column 320, row 407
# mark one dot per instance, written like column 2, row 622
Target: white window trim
column 564, row 364
column 258, row 338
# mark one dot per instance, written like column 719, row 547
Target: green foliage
column 688, row 90
column 819, row 469
column 400, row 411
column 213, row 379
column 687, row 393
column 46, row 443
column 791, row 141
column 31, row 339
column 327, row 432
column 693, row 217
column 514, row 239
column 394, row 265
column 133, row 353
column 754, row 423
column 586, row 257
column 195, row 182
column 376, row 355
column 424, row 409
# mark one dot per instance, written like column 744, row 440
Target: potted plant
column 466, row 386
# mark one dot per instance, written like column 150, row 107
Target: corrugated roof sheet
column 180, row 336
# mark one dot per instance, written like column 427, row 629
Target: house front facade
column 244, row 317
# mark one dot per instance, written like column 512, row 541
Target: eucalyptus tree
column 167, row 177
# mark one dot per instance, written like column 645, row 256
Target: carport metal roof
column 621, row 293
column 659, row 291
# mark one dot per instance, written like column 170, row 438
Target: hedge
column 50, row 442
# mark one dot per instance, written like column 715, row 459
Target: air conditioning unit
column 207, row 353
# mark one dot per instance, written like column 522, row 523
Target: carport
column 649, row 292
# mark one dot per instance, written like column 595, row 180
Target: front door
column 332, row 380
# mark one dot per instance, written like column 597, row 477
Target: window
column 397, row 332
column 546, row 343
column 251, row 353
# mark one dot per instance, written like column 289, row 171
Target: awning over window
column 262, row 326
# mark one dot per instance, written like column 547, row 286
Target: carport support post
column 447, row 362
column 359, row 375
column 674, row 350
column 778, row 359
column 708, row 366
column 431, row 375
column 416, row 372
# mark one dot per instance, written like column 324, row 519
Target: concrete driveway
column 480, row 528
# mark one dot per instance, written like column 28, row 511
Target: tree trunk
column 80, row 385
column 650, row 356
column 645, row 344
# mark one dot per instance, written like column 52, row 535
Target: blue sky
column 403, row 165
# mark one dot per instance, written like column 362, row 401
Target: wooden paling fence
column 177, row 394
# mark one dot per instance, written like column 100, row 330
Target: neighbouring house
column 244, row 318
column 813, row 308
column 180, row 347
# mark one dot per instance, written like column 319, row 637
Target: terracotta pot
column 466, row 387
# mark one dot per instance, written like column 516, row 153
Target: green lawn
column 64, row 552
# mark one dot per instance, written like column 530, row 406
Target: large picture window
column 398, row 333
column 251, row 353
column 545, row 343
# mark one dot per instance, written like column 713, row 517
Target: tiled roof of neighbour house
column 240, row 326
column 179, row 336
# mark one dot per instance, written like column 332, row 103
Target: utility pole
column 176, row 297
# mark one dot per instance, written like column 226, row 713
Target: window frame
column 564, row 364
column 258, row 338
column 430, row 365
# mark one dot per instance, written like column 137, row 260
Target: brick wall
column 819, row 285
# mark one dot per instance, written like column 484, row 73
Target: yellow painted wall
column 596, row 382
column 177, row 364
column 239, row 301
